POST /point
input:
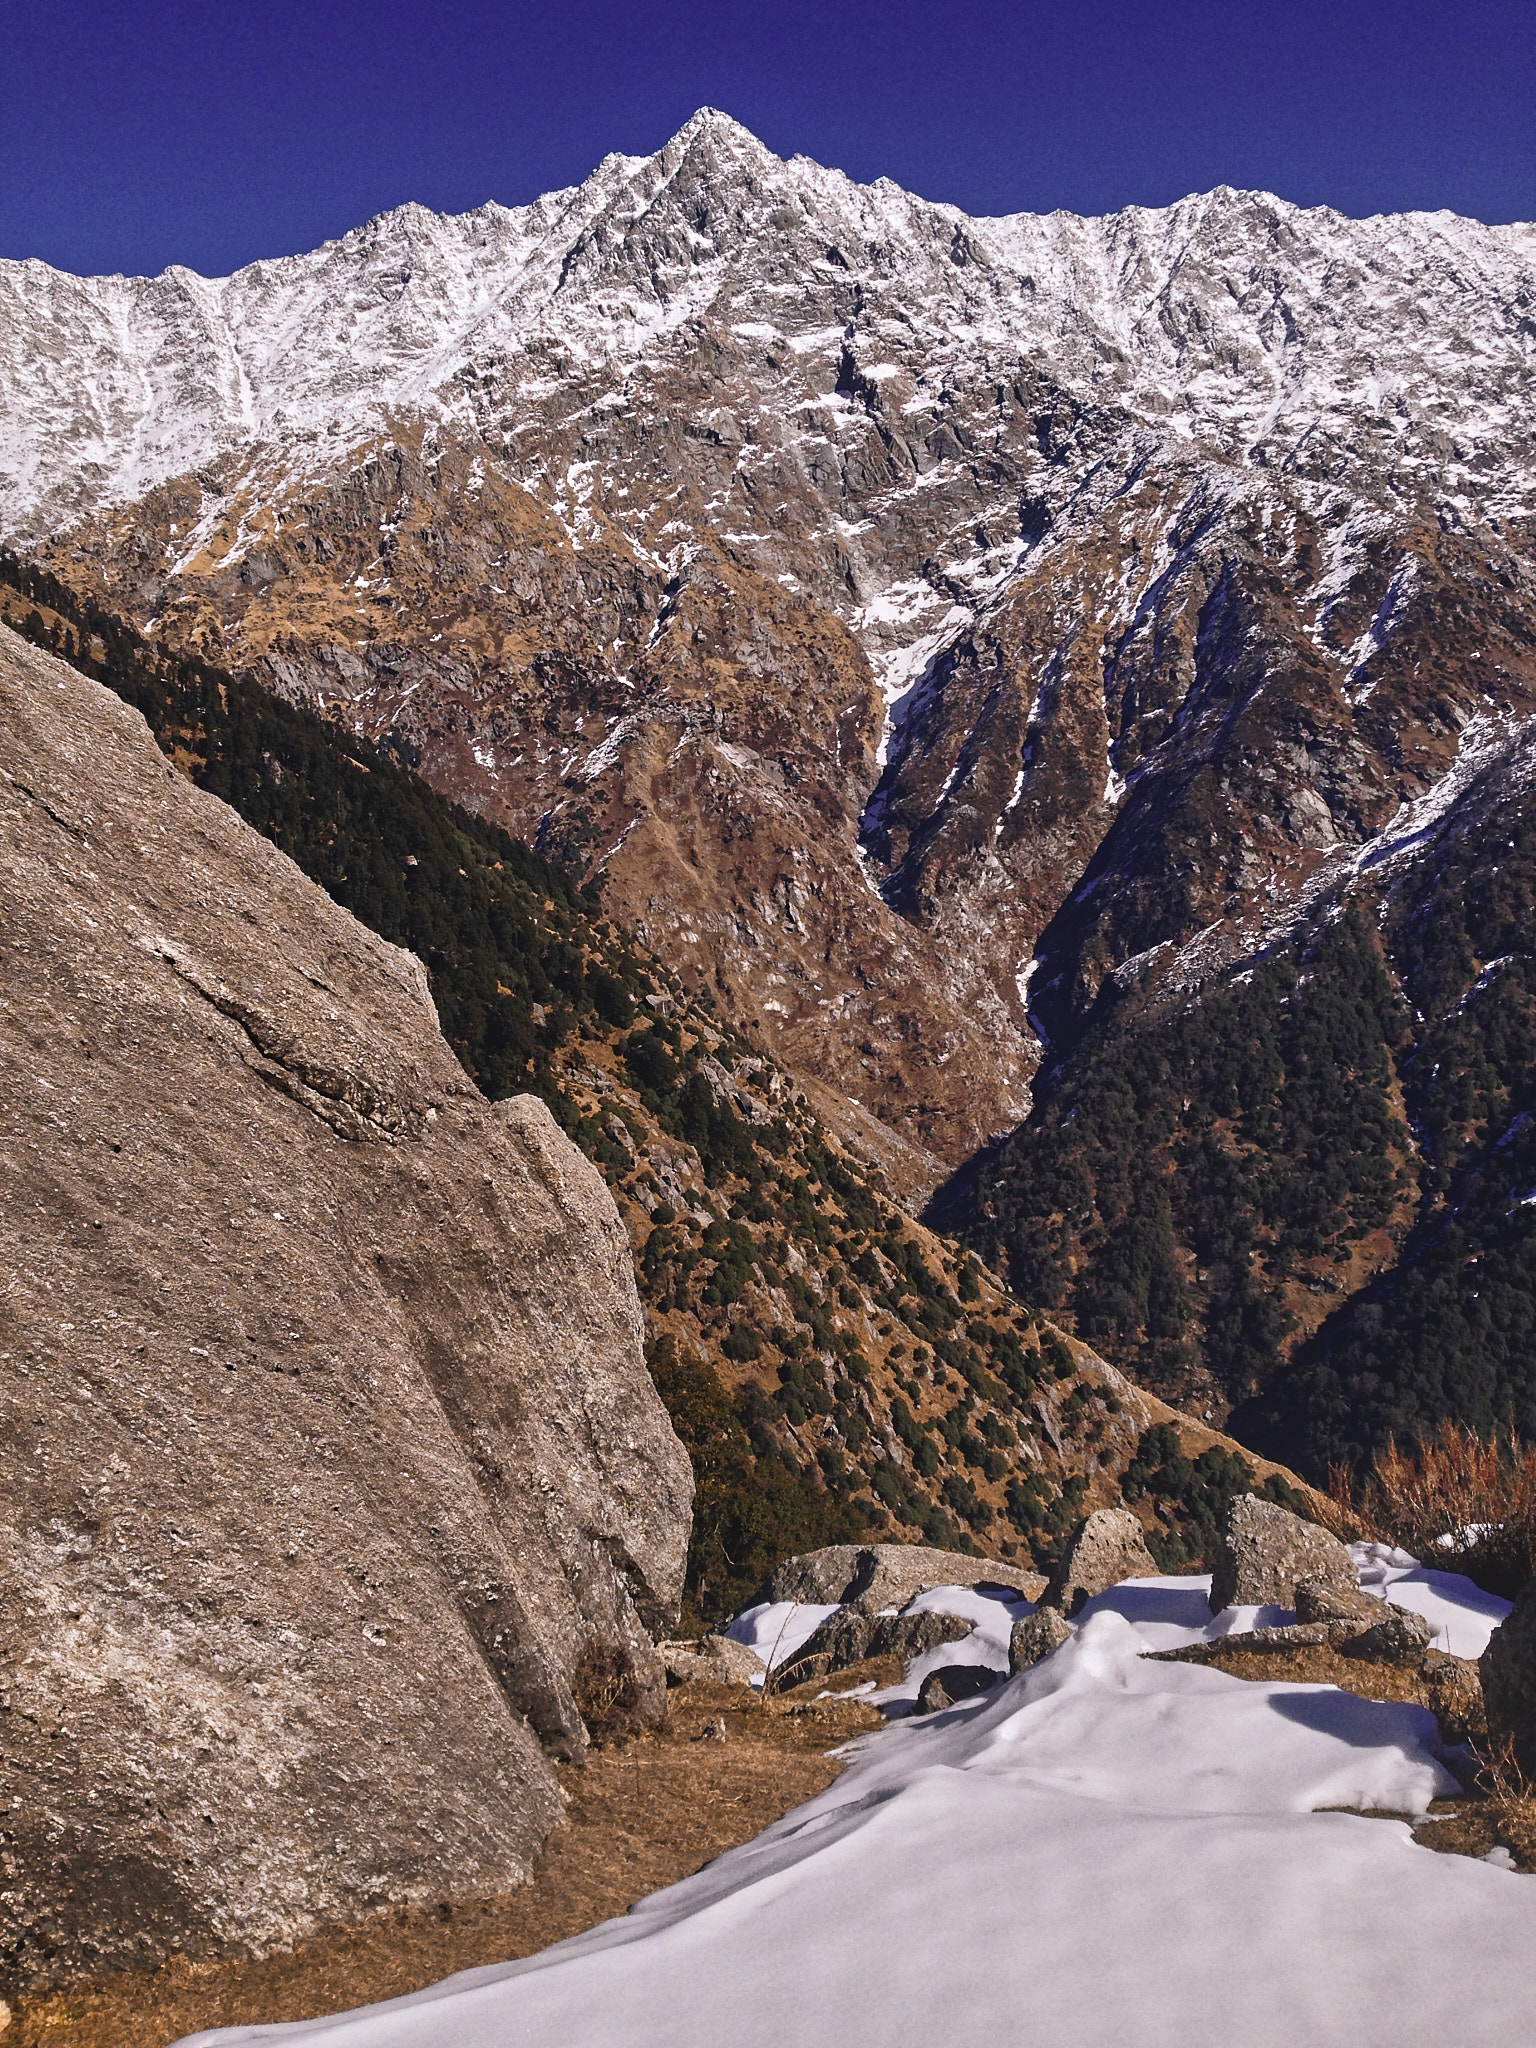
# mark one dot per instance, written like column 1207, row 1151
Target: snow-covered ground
column 1103, row 1851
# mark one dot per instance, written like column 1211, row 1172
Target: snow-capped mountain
column 927, row 623
column 1233, row 324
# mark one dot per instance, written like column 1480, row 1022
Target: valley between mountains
column 1060, row 687
column 740, row 910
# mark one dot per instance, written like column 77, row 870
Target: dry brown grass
column 644, row 1812
column 1448, row 1483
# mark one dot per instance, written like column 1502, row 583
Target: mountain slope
column 833, row 1368
column 940, row 634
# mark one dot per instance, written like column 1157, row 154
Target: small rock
column 1456, row 1695
column 1508, row 1672
column 712, row 1731
column 952, row 1683
column 712, row 1660
column 1267, row 1552
column 854, row 1633
column 1035, row 1636
column 909, row 1635
column 1399, row 1637
column 1298, row 1635
column 1103, row 1549
column 1318, row 1600
column 841, row 1640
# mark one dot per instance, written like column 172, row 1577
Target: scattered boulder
column 1105, row 1548
column 1399, row 1637
column 1508, row 1672
column 952, row 1683
column 715, row 1660
column 888, row 1574
column 1456, row 1695
column 854, row 1633
column 1035, row 1636
column 1318, row 1600
column 817, row 1578
column 1266, row 1552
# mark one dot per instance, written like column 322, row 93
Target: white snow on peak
column 1232, row 323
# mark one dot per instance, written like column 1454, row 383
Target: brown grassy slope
column 642, row 1815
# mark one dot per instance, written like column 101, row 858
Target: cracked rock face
column 327, row 1452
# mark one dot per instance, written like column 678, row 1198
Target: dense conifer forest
column 1305, row 1198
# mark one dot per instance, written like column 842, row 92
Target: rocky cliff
column 330, row 1464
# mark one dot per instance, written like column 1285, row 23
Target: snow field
column 1103, row 1851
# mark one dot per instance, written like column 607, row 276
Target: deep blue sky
column 136, row 133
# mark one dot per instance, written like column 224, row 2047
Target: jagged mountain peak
column 1231, row 318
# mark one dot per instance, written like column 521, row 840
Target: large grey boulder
column 1266, row 1552
column 1035, row 1636
column 888, row 1574
column 1508, row 1672
column 1104, row 1548
column 331, row 1478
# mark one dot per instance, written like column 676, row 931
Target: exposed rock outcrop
column 1508, row 1672
column 1266, row 1552
column 327, row 1454
column 1106, row 1547
column 1035, row 1636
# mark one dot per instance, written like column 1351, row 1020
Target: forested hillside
column 1305, row 1198
column 834, row 1369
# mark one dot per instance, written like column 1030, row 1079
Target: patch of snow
column 1102, row 1850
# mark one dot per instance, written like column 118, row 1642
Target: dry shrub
column 608, row 1692
column 1502, row 1775
column 1479, row 1491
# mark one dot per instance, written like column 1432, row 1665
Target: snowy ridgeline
column 1102, row 1851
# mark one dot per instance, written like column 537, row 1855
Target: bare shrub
column 608, row 1692
column 1480, row 1492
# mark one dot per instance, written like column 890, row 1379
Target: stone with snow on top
column 712, row 1660
column 888, row 1574
column 952, row 1683
column 1034, row 1636
column 1104, row 1548
column 1266, row 1552
column 1508, row 1671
